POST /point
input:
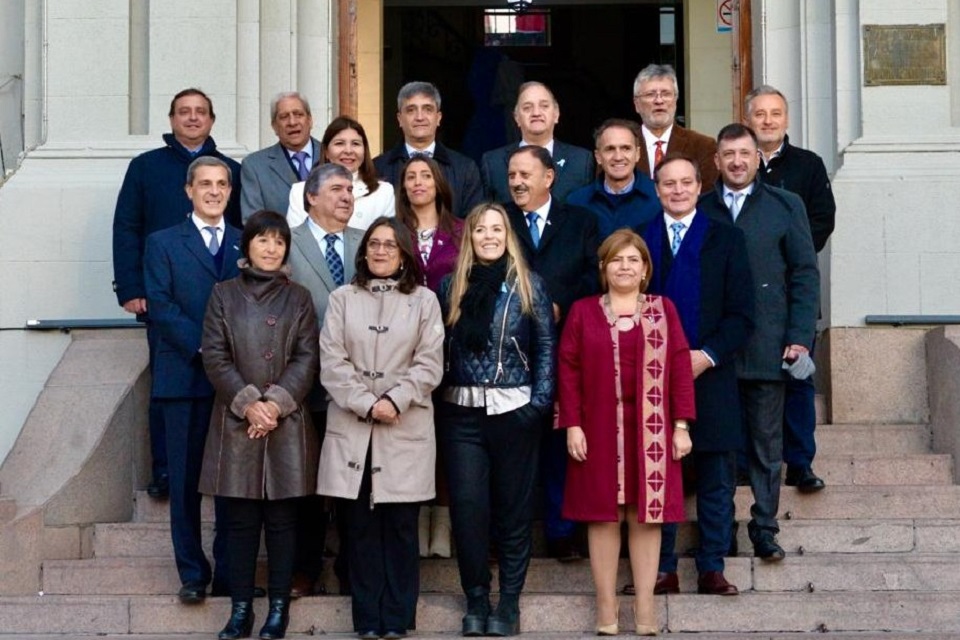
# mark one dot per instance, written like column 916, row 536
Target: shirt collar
column 201, row 225
column 430, row 148
column 548, row 146
column 745, row 191
column 626, row 189
column 686, row 220
column 648, row 135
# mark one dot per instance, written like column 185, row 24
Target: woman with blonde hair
column 626, row 394
column 499, row 385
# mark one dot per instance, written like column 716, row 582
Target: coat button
column 268, row 355
column 271, row 321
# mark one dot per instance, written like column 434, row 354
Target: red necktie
column 658, row 154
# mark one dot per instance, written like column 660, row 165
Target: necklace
column 620, row 322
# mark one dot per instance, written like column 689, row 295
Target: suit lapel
column 520, row 227
column 351, row 243
column 193, row 241
column 231, row 252
column 307, row 244
column 556, row 218
column 280, row 164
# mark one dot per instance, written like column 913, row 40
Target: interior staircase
column 874, row 555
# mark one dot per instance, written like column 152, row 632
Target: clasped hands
column 577, row 443
column 263, row 417
column 384, row 411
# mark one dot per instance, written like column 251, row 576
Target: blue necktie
column 214, row 245
column 534, row 229
column 333, row 258
column 301, row 159
column 676, row 227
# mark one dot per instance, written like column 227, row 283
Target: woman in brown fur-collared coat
column 260, row 351
column 381, row 357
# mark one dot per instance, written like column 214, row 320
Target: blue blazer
column 574, row 168
column 179, row 274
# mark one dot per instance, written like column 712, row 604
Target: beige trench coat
column 375, row 341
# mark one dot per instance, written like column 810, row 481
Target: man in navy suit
column 181, row 265
column 537, row 114
column 419, row 116
column 560, row 243
column 701, row 264
column 151, row 199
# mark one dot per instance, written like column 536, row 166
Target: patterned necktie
column 532, row 218
column 301, row 159
column 733, row 203
column 676, row 227
column 214, row 244
column 333, row 258
column 421, row 154
column 658, row 153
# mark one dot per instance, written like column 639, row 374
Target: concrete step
column 820, row 572
column 858, row 503
column 932, row 612
column 8, row 509
column 909, row 469
column 152, row 539
column 146, row 509
column 862, row 439
column 527, row 635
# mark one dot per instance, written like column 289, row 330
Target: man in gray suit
column 322, row 254
column 786, row 287
column 267, row 175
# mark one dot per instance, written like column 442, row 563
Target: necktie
column 534, row 229
column 421, row 154
column 301, row 158
column 333, row 258
column 214, row 244
column 658, row 153
column 676, row 227
column 733, row 202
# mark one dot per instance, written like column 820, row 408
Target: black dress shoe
column 666, row 583
column 159, row 487
column 505, row 621
column 474, row 624
column 192, row 593
column 278, row 617
column 766, row 548
column 804, row 479
column 240, row 624
column 715, row 584
column 629, row 589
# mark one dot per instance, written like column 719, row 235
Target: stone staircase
column 877, row 551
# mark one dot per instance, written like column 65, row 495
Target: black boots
column 240, row 623
column 506, row 620
column 478, row 610
column 278, row 616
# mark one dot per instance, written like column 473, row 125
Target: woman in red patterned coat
column 626, row 394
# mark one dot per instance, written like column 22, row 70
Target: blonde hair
column 517, row 268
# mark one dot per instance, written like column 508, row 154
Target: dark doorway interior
column 594, row 53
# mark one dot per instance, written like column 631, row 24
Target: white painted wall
column 708, row 70
column 57, row 210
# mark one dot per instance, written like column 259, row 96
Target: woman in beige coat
column 381, row 356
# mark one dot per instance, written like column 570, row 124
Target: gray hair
column 275, row 103
column 655, row 71
column 417, row 88
column 208, row 161
column 764, row 90
column 319, row 176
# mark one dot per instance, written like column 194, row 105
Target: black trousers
column 492, row 471
column 312, row 518
column 762, row 403
column 384, row 561
column 245, row 519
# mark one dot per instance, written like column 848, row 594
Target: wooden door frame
column 348, row 93
column 742, row 51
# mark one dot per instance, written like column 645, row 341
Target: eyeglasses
column 650, row 96
column 388, row 246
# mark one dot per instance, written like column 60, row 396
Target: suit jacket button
column 268, row 355
column 271, row 321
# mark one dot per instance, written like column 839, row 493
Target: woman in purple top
column 424, row 206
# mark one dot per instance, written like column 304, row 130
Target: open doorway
column 587, row 53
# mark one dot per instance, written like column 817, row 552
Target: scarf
column 479, row 303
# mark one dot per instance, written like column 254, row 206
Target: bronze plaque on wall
column 901, row 54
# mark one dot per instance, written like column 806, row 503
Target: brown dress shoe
column 301, row 587
column 713, row 583
column 666, row 583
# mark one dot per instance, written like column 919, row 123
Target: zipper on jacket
column 503, row 330
column 523, row 358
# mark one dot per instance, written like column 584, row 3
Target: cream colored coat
column 376, row 341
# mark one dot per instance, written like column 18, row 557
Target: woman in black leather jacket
column 498, row 386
